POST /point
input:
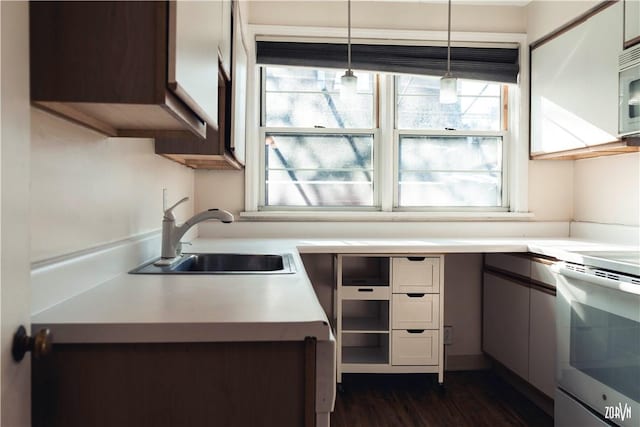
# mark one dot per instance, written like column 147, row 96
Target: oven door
column 629, row 112
column 598, row 332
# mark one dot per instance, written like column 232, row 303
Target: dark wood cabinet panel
column 176, row 384
column 104, row 65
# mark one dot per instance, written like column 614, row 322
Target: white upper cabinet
column 193, row 55
column 574, row 85
column 224, row 48
column 631, row 22
column 239, row 86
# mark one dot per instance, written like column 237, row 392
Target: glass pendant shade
column 348, row 85
column 448, row 89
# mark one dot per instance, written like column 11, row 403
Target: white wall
column 544, row 16
column 607, row 189
column 389, row 15
column 550, row 183
column 604, row 189
column 88, row 190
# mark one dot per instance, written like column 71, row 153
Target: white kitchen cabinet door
column 542, row 342
column 239, row 83
column 416, row 311
column 505, row 329
column 520, row 265
column 224, row 47
column 574, row 85
column 631, row 22
column 416, row 275
column 194, row 36
column 414, row 347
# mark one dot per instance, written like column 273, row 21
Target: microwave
column 629, row 87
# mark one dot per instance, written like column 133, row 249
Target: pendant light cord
column 448, row 41
column 349, row 34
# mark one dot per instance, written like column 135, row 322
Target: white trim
column 57, row 279
column 367, row 215
column 518, row 96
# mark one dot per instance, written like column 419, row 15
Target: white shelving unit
column 389, row 314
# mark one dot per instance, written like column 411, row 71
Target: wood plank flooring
column 477, row 398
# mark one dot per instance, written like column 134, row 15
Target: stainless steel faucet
column 171, row 234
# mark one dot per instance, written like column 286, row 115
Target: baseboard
column 63, row 277
column 538, row 398
column 467, row 362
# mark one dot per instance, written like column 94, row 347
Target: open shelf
column 364, row 355
column 365, row 348
column 365, row 271
column 365, row 316
column 365, row 324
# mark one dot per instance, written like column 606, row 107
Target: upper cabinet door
column 574, row 85
column 239, row 87
column 224, row 47
column 194, row 36
column 631, row 22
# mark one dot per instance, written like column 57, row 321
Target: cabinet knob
column 40, row 344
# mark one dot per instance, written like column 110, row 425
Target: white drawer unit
column 389, row 313
column 416, row 311
column 365, row 292
column 414, row 347
column 416, row 274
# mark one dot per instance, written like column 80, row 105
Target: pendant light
column 448, row 83
column 348, row 82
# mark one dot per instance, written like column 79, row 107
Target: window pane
column 450, row 153
column 449, row 189
column 303, row 97
column 319, row 170
column 317, row 151
column 418, row 105
column 450, row 171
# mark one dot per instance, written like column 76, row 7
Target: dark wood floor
column 477, row 398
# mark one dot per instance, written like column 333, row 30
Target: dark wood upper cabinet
column 130, row 68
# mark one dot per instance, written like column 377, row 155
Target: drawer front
column 414, row 348
column 416, row 311
column 511, row 263
column 416, row 275
column 365, row 292
column 541, row 272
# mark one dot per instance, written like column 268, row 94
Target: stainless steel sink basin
column 221, row 263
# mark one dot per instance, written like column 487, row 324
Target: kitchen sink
column 222, row 263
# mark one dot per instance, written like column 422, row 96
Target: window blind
column 495, row 64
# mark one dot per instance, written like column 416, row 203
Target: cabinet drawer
column 365, row 292
column 541, row 272
column 416, row 311
column 414, row 347
column 416, row 275
column 510, row 263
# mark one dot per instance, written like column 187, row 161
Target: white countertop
column 181, row 308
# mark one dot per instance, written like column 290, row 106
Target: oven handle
column 626, row 287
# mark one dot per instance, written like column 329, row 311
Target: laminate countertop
column 244, row 307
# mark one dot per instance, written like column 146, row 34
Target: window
column 449, row 155
column 321, row 152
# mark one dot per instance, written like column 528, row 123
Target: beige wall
column 413, row 15
column 550, row 184
column 607, row 189
column 544, row 16
column 87, row 189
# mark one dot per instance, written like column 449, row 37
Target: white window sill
column 365, row 216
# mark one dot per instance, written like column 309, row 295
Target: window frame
column 503, row 133
column 516, row 165
column 374, row 132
